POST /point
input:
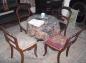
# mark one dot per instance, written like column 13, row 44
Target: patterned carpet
column 77, row 53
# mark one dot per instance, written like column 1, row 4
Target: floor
column 77, row 53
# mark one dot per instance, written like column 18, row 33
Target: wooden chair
column 64, row 18
column 59, row 42
column 21, row 43
column 23, row 8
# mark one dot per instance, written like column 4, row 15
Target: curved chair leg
column 20, row 29
column 58, row 57
column 35, row 51
column 11, row 52
column 65, row 32
column 67, row 51
column 45, row 47
column 22, row 57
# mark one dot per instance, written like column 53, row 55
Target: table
column 45, row 30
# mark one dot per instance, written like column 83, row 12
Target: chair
column 21, row 43
column 64, row 16
column 59, row 42
column 26, row 9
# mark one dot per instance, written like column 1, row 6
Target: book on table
column 36, row 22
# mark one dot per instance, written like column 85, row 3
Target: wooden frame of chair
column 27, row 7
column 71, row 40
column 13, row 42
column 63, row 18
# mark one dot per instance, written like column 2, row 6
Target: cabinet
column 7, row 10
column 45, row 5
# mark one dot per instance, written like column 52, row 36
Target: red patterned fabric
column 57, row 41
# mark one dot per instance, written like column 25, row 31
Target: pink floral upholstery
column 57, row 41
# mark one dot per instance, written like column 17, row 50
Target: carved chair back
column 10, row 38
column 64, row 16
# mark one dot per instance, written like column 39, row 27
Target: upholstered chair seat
column 24, row 41
column 57, row 42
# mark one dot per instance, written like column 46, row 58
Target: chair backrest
column 64, row 15
column 65, row 11
column 72, row 39
column 9, row 38
column 23, row 10
column 75, row 36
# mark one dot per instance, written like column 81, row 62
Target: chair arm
column 63, row 20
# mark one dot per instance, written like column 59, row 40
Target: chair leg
column 45, row 47
column 58, row 57
column 35, row 51
column 22, row 57
column 20, row 29
column 67, row 51
column 11, row 52
column 65, row 33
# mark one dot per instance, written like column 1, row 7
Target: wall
column 65, row 3
column 32, row 2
